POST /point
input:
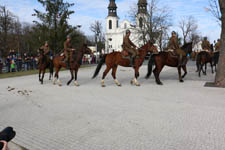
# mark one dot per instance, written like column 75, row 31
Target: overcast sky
column 87, row 11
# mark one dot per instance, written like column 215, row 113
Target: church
column 115, row 30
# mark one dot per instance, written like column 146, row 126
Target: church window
column 117, row 23
column 110, row 24
column 125, row 26
column 141, row 22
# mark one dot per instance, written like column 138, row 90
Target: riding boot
column 132, row 63
column 180, row 61
column 67, row 64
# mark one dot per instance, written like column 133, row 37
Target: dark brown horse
column 44, row 63
column 202, row 59
column 114, row 59
column 168, row 59
column 74, row 64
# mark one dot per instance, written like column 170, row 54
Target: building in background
column 115, row 30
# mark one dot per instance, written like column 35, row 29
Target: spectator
column 19, row 63
column 8, row 61
column 25, row 58
column 12, row 65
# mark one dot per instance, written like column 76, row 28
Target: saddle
column 173, row 54
column 125, row 53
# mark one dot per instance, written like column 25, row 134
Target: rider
column 217, row 46
column 68, row 50
column 206, row 45
column 46, row 50
column 130, row 47
column 174, row 46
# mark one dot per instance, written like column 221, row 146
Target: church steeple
column 112, row 8
column 142, row 6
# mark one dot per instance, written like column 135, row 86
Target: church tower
column 112, row 26
column 112, row 20
column 142, row 13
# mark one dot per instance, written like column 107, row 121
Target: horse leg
column 40, row 75
column 72, row 77
column 211, row 67
column 57, row 77
column 43, row 75
column 185, row 71
column 75, row 82
column 179, row 74
column 108, row 68
column 205, row 68
column 200, row 70
column 156, row 72
column 215, row 68
column 114, row 75
column 134, row 81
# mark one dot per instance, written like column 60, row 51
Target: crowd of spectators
column 15, row 62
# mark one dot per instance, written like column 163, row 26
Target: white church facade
column 115, row 30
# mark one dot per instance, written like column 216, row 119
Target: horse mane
column 186, row 45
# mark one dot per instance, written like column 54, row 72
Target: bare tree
column 6, row 24
column 188, row 26
column 220, row 74
column 97, row 29
column 157, row 23
column 214, row 9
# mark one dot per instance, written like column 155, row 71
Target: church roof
column 112, row 4
column 142, row 2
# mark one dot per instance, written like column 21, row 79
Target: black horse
column 44, row 63
column 202, row 59
column 168, row 59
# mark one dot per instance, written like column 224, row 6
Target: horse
column 168, row 59
column 202, row 59
column 74, row 64
column 44, row 63
column 112, row 60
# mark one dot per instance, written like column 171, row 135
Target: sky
column 87, row 11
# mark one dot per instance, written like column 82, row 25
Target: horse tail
column 150, row 65
column 102, row 61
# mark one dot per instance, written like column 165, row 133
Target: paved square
column 175, row 116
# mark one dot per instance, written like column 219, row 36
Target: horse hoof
column 131, row 82
column 119, row 85
column 181, row 80
column 138, row 85
column 103, row 85
column 60, row 84
column 77, row 85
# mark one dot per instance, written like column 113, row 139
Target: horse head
column 151, row 47
column 86, row 50
column 187, row 48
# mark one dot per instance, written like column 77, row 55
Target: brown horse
column 168, row 59
column 44, row 63
column 202, row 59
column 74, row 64
column 114, row 59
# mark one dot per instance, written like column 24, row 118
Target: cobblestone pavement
column 175, row 116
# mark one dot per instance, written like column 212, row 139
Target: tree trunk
column 220, row 75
